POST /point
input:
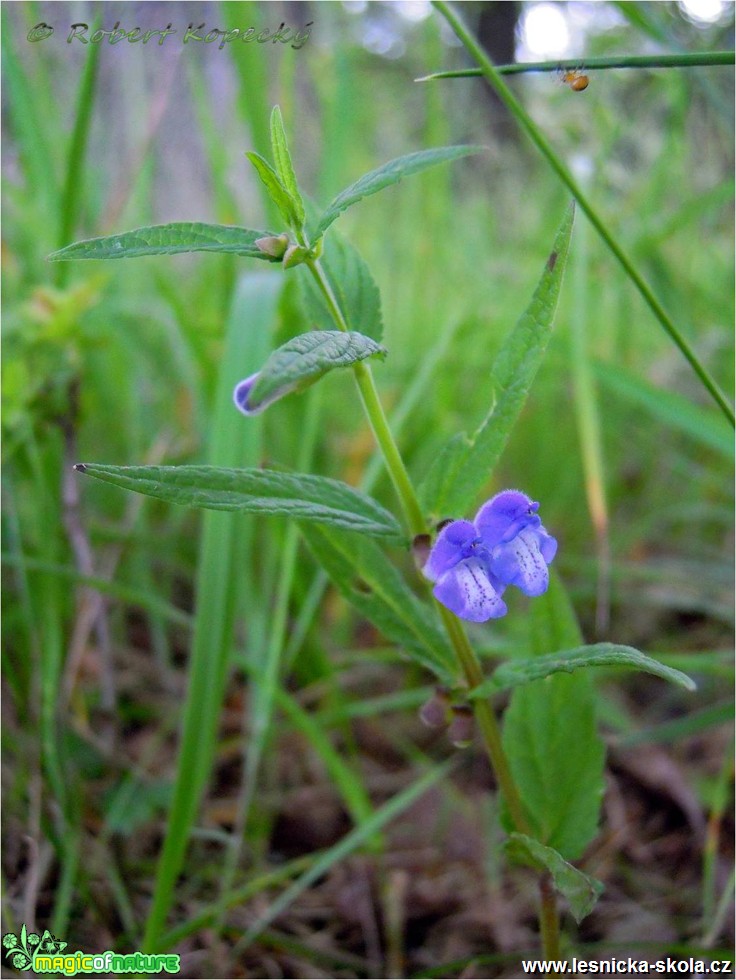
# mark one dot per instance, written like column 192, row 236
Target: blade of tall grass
column 254, row 103
column 265, row 684
column 380, row 818
column 689, row 59
column 688, row 725
column 27, row 119
column 74, row 180
column 232, row 444
column 720, row 796
column 559, row 167
column 648, row 20
column 260, row 883
column 701, row 424
column 332, row 960
column 588, row 424
column 49, row 618
column 347, row 781
column 129, row 594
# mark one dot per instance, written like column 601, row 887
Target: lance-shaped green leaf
column 353, row 285
column 386, row 175
column 276, row 190
column 514, row 673
column 551, row 737
column 307, row 497
column 580, row 890
column 284, row 166
column 301, row 362
column 465, row 464
column 370, row 582
column 181, row 236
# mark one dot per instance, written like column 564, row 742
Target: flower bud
column 437, row 712
column 295, row 255
column 461, row 730
column 273, row 245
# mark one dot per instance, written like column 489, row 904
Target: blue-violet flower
column 471, row 563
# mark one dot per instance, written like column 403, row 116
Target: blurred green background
column 119, row 363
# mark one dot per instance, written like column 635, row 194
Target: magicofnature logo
column 22, row 949
column 46, row 954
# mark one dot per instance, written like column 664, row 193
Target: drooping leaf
column 276, row 190
column 551, row 738
column 299, row 495
column 581, row 891
column 353, row 285
column 514, row 673
column 303, row 360
column 284, row 166
column 386, row 175
column 460, row 472
column 181, row 236
column 370, row 582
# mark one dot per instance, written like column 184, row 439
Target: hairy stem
column 466, row 658
column 486, row 719
column 549, row 920
column 376, row 416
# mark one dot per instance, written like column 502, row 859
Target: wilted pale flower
column 471, row 563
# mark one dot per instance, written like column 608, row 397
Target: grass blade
column 544, row 146
column 388, row 812
column 75, row 175
column 232, row 443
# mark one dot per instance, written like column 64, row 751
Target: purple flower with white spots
column 471, row 563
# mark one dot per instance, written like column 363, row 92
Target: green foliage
column 180, row 236
column 465, row 464
column 376, row 822
column 223, row 549
column 514, row 673
column 274, row 188
column 303, row 360
column 284, row 166
column 581, row 891
column 369, row 581
column 706, row 427
column 155, row 343
column 352, row 284
column 298, row 495
column 551, row 738
column 386, row 175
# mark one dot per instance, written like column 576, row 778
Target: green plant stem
column 490, row 72
column 486, row 719
column 471, row 668
column 464, row 652
column 549, row 920
column 690, row 59
column 376, row 416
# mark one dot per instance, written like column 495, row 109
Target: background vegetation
column 122, row 363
